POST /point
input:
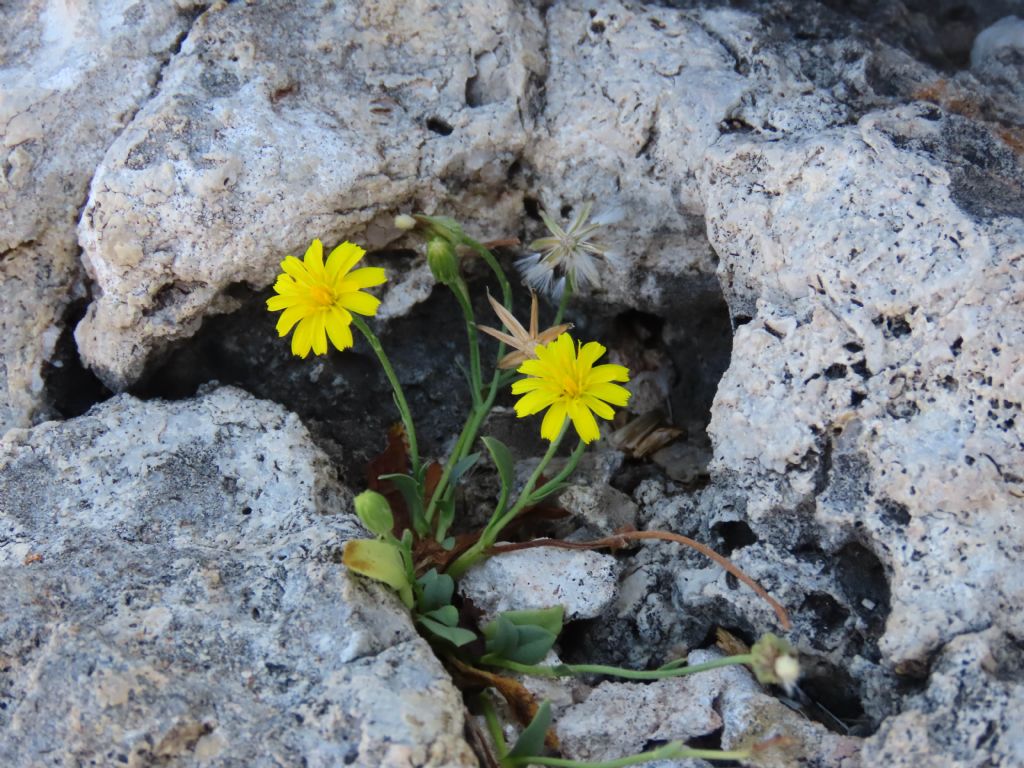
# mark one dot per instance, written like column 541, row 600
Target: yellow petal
column 359, row 302
column 612, row 393
column 288, row 319
column 277, row 303
column 553, row 421
column 603, row 410
column 537, row 368
column 367, row 277
column 589, row 353
column 314, row 259
column 608, row 372
column 534, row 402
column 296, row 269
column 339, row 329
column 521, row 386
column 342, row 259
column 302, row 340
column 286, row 286
column 319, row 334
column 583, row 420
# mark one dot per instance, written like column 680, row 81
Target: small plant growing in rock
column 557, row 378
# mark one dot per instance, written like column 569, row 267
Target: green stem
column 476, row 377
column 403, row 406
column 671, row 751
column 506, row 288
column 466, row 439
column 568, row 469
column 499, row 521
column 563, row 302
column 569, row 670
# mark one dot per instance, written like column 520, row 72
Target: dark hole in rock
column 733, row 535
column 439, row 126
column 835, row 371
column 71, row 389
column 532, row 208
column 863, row 580
column 565, row 211
column 826, row 612
column 894, row 512
column 833, row 697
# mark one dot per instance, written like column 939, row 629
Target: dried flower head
column 320, row 297
column 566, row 382
column 523, row 343
column 572, row 250
column 775, row 662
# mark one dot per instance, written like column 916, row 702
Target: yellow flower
column 320, row 297
column 570, row 386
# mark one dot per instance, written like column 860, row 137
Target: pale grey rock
column 72, row 76
column 885, row 336
column 622, row 718
column 970, row 713
column 278, row 123
column 582, row 581
column 173, row 594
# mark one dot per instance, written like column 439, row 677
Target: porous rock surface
column 172, row 596
column 846, row 177
column 72, row 75
column 280, row 122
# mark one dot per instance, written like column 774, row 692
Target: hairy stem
column 570, row 670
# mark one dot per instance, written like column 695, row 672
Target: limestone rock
column 278, row 123
column 582, row 581
column 173, row 593
column 970, row 713
column 73, row 75
column 621, row 718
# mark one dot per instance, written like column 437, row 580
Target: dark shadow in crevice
column 69, row 388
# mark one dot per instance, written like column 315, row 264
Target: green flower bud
column 774, row 662
column 442, row 226
column 375, row 512
column 442, row 261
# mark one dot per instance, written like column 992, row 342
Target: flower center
column 571, row 386
column 321, row 295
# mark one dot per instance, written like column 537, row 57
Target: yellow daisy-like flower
column 321, row 297
column 569, row 385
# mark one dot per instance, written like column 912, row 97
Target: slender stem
column 563, row 302
column 506, row 289
column 499, row 521
column 476, row 377
column 568, row 469
column 465, row 441
column 569, row 670
column 403, row 406
column 499, row 273
column 671, row 751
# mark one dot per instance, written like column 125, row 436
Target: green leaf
column 411, row 492
column 446, row 614
column 532, row 645
column 448, row 544
column 462, row 466
column 503, row 460
column 438, row 589
column 550, row 619
column 457, row 636
column 380, row 560
column 374, row 512
column 502, row 637
column 531, row 740
column 445, row 517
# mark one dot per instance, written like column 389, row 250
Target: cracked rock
column 173, row 593
column 278, row 123
column 72, row 76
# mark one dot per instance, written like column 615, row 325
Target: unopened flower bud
column 442, row 226
column 774, row 662
column 442, row 261
column 405, row 222
column 375, row 512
